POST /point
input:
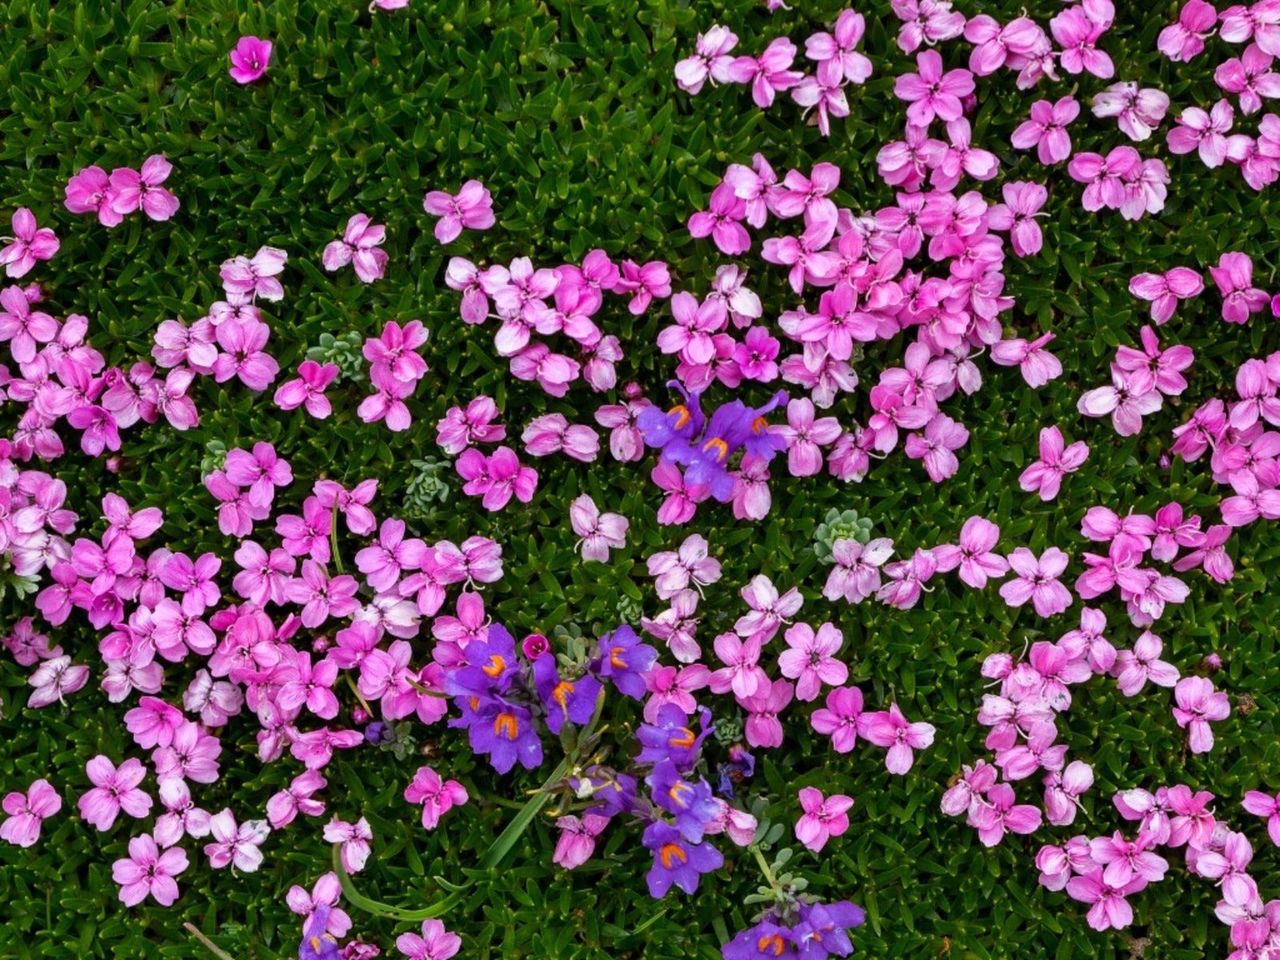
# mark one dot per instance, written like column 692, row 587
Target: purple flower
column 692, row 804
column 676, row 861
column 625, row 661
column 249, row 59
column 572, row 701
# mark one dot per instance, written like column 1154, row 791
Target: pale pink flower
column 892, row 730
column 600, row 532
column 1045, row 475
column 26, row 811
column 148, row 872
column 29, row 245
column 361, row 246
column 810, row 659
column 237, row 845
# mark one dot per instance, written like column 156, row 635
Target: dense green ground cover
column 567, row 110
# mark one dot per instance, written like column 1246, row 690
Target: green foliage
column 839, row 525
column 567, row 110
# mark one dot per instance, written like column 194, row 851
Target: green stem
column 378, row 908
column 764, row 868
column 208, row 944
column 333, row 540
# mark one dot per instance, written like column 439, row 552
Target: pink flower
column 360, row 245
column 999, row 814
column 114, row 789
column 89, row 191
column 552, row 433
column 1047, row 129
column 1056, row 461
column 824, row 817
column 721, row 222
column 249, row 59
column 932, row 93
column 237, row 845
column 810, row 659
column 181, row 818
column 1023, row 202
column 1037, row 581
column 600, row 532
column 299, row 797
column 974, row 555
column 1139, row 111
column 1037, row 365
column 855, row 575
column 644, row 283
column 763, row 727
column 1250, row 77
column 841, row 48
column 1211, row 555
column 1165, row 290
column 1203, row 132
column 768, row 73
column 1077, row 30
column 470, row 208
column 23, row 327
column 1233, row 277
column 1255, row 802
column 460, row 428
column 1131, row 397
column 769, row 610
column 1182, row 41
column 1199, row 705
column 28, row 246
column 1133, row 668
column 806, row 436
column 942, row 436
column 326, row 892
column 435, row 943
column 840, row 717
column 577, row 841
column 710, row 60
column 1109, row 909
column 496, row 478
column 354, row 838
column 436, row 796
column 148, row 872
column 53, row 679
column 256, row 276
column 1229, row 867
column 308, row 389
column 891, row 729
column 132, row 190
column 26, row 811
column 691, row 563
column 1062, row 792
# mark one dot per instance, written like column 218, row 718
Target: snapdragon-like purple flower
column 676, row 860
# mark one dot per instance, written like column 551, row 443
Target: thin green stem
column 208, row 944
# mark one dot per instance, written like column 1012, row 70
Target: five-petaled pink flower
column 1037, row 580
column 1198, row 706
column 26, row 811
column 148, row 872
column 600, row 532
column 361, row 246
column 1044, row 476
column 29, row 245
column 810, row 659
column 249, row 59
column 470, row 208
column 889, row 728
column 436, row 795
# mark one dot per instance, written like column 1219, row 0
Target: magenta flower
column 722, row 223
column 1184, row 40
column 1230, row 868
column 460, row 428
column 26, row 811
column 1164, row 290
column 114, row 789
column 552, row 433
column 1037, row 580
column 741, row 672
column 470, row 208
column 284, row 806
column 496, row 478
column 810, row 659
column 307, row 390
column 769, row 609
column 768, row 73
column 1000, row 814
column 436, row 796
column 823, row 92
column 1198, row 706
column 1250, row 77
column 1133, row 668
column 855, row 575
column 1044, row 476
column 644, row 283
column 1046, row 130
column 133, row 190
column 805, row 438
column 249, row 59
column 937, row 445
column 577, row 841
column 974, row 555
column 1203, row 132
column 1077, row 30
column 435, row 943
column 1023, row 202
column 354, row 839
column 840, row 46
column 23, row 327
column 148, row 872
column 1037, row 365
column 89, row 191
column 361, row 246
column 237, row 845
column 763, row 728
column 1109, row 910
column 255, row 276
column 823, row 818
column 1233, row 277
column 840, row 717
column 1211, row 556
column 1255, row 802
column 1131, row 397
column 996, row 46
column 691, row 563
column 710, row 60
column 29, row 245
column 892, row 730
column 932, row 93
